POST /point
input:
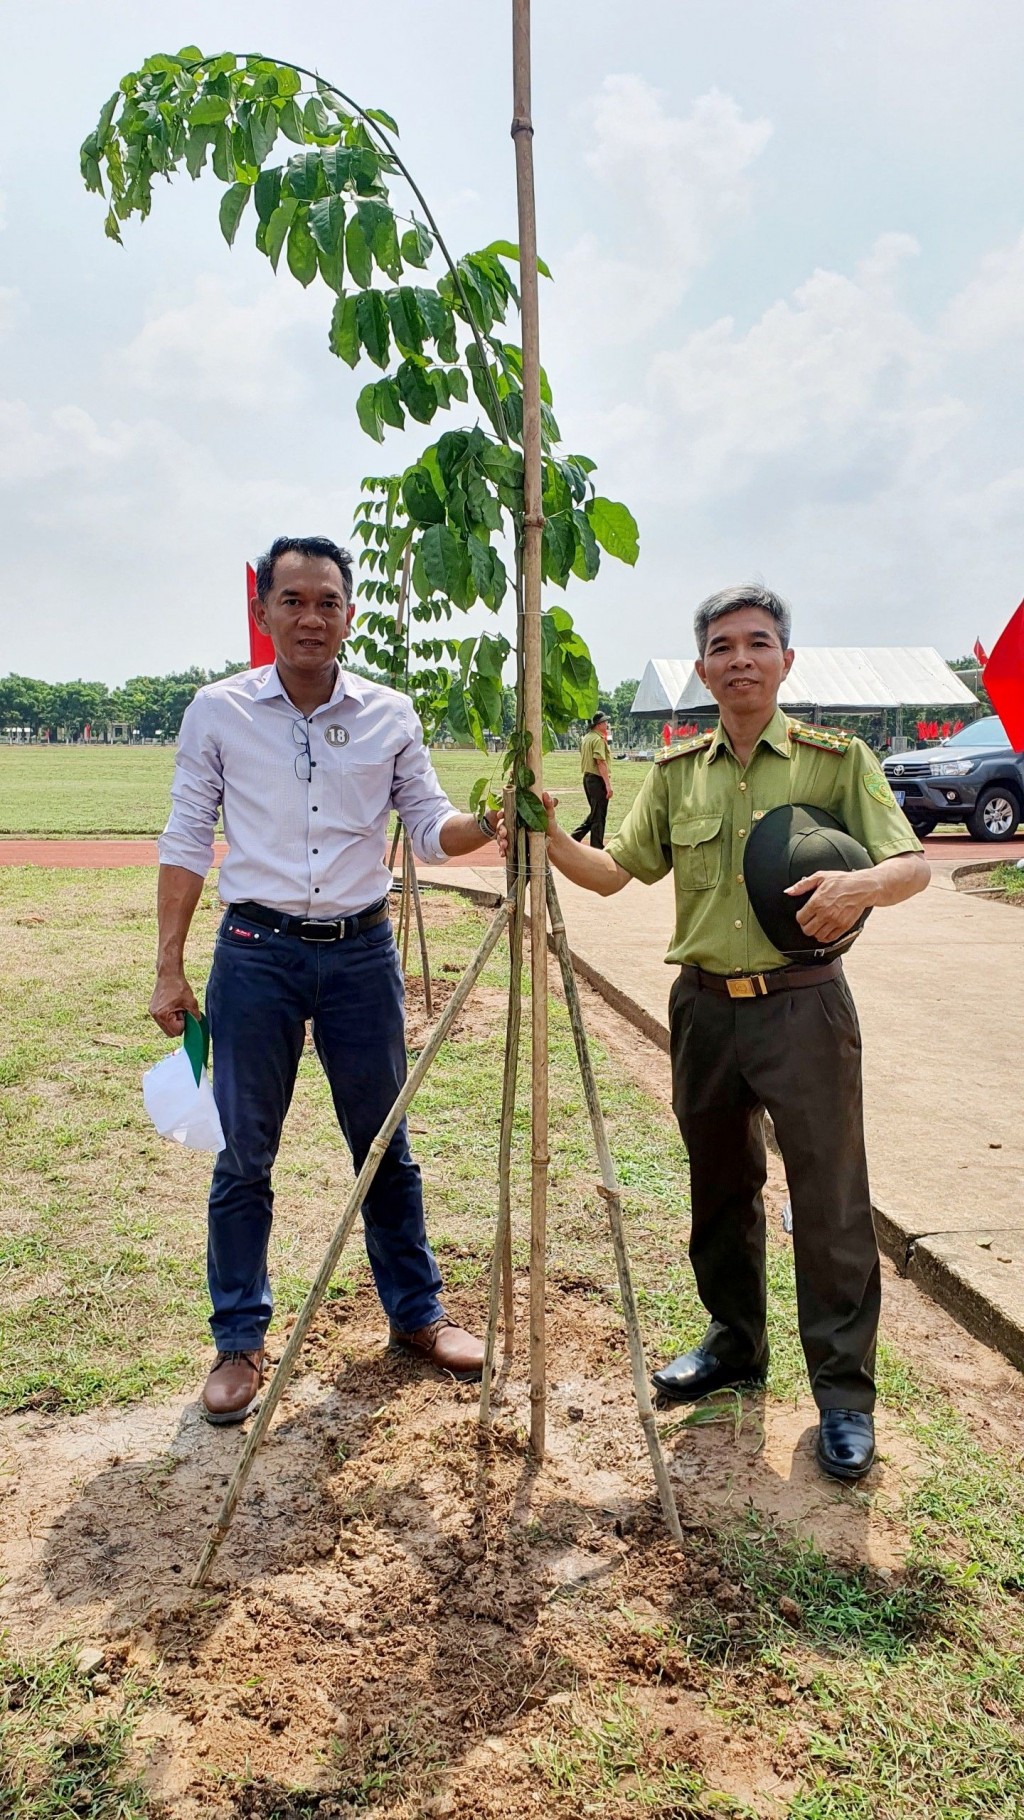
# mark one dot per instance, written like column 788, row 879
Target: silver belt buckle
column 312, row 931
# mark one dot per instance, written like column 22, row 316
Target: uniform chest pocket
column 696, row 851
column 366, row 793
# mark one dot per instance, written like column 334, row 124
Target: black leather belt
column 311, row 928
column 759, row 985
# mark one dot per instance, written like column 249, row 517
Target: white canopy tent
column 832, row 679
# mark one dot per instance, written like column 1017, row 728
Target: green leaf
column 314, row 118
column 288, row 81
column 357, row 253
column 232, row 204
column 418, row 395
column 223, row 162
column 507, row 249
column 268, row 192
column 107, row 114
column 302, row 262
column 277, row 228
column 615, row 528
column 196, row 147
column 327, row 224
column 368, row 414
column 531, row 811
column 558, row 549
column 381, row 236
column 462, row 716
column 491, row 653
column 446, row 563
column 344, row 336
column 587, row 559
column 458, row 384
column 389, row 406
column 302, row 175
column 378, row 114
column 406, row 321
column 210, row 110
column 291, row 123
column 372, row 317
column 421, row 499
column 263, row 126
column 486, row 694
column 416, row 245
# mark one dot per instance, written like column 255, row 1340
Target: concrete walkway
column 939, row 984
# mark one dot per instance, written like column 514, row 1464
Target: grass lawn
column 891, row 1695
column 123, row 790
column 1008, row 879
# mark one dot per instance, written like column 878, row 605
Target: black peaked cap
column 788, row 844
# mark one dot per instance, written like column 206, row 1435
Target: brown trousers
column 798, row 1054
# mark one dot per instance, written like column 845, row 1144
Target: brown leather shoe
column 232, row 1389
column 448, row 1347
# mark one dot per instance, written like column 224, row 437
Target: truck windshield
column 988, row 731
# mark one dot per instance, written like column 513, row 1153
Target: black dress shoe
column 698, row 1373
column 846, row 1443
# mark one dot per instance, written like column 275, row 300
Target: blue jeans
column 260, row 994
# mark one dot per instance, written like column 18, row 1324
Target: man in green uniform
column 597, row 783
column 750, row 1031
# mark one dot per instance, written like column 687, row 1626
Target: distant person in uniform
column 750, row 1030
column 597, row 782
column 307, row 761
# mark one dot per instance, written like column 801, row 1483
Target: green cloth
column 593, row 754
column 697, row 805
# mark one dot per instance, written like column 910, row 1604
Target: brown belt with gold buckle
column 760, row 985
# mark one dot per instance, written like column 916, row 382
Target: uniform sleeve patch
column 878, row 789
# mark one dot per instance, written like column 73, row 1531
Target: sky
column 786, row 316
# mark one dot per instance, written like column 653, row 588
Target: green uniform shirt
column 697, row 806
column 593, row 754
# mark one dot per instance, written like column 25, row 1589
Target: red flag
column 1003, row 677
column 261, row 648
column 979, row 652
column 666, row 735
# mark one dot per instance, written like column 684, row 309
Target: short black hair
column 596, row 719
column 303, row 546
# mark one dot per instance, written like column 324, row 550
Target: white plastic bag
column 177, row 1092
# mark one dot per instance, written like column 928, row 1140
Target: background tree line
column 152, row 706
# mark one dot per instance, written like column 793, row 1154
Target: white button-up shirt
column 306, row 802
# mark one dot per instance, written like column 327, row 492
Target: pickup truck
column 974, row 777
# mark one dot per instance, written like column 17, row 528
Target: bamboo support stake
column 417, row 904
column 275, row 1389
column 611, row 1197
column 501, row 1256
column 533, row 526
column 406, row 916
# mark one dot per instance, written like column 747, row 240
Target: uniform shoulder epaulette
column 824, row 739
column 699, row 743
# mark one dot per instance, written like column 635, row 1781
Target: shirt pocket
column 696, row 851
column 366, row 794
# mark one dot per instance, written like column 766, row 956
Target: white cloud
column 989, row 311
column 227, row 350
column 670, row 185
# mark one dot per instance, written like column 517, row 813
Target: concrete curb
column 977, row 1277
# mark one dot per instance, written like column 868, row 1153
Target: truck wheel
column 923, row 825
column 995, row 815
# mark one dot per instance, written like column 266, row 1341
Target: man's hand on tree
column 172, row 997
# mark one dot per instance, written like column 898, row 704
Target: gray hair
column 730, row 600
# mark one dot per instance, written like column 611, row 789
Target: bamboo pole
column 417, row 904
column 406, row 917
column 533, row 526
column 501, row 1256
column 275, row 1389
column 609, row 1190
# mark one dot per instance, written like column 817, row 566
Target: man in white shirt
column 306, row 761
